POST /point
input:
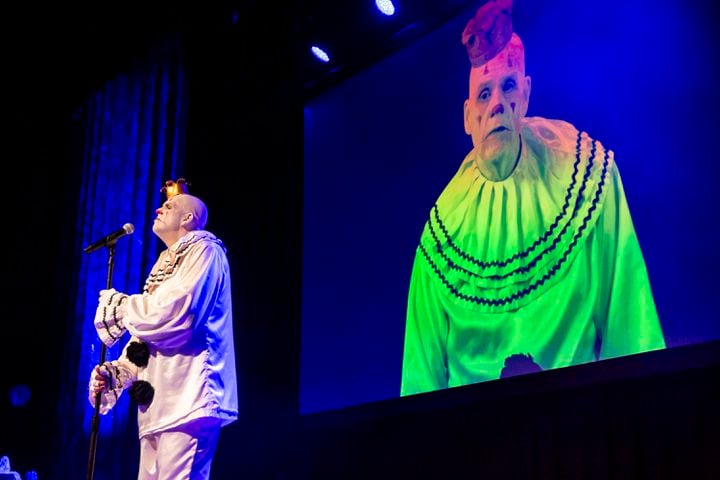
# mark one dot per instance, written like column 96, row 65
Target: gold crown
column 173, row 187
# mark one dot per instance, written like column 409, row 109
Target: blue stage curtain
column 134, row 129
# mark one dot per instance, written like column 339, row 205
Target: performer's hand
column 99, row 381
column 102, row 380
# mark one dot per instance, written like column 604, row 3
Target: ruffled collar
column 184, row 242
column 498, row 244
column 168, row 261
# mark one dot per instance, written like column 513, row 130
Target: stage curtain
column 132, row 141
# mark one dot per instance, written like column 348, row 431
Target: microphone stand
column 95, row 425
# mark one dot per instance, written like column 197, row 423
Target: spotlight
column 385, row 6
column 320, row 54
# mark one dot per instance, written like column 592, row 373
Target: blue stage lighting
column 19, row 395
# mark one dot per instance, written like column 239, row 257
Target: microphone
column 107, row 240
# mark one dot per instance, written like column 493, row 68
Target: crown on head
column 173, row 187
column 488, row 31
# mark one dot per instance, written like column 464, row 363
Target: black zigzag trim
column 114, row 315
column 158, row 277
column 568, row 195
column 549, row 248
column 105, row 324
column 549, row 274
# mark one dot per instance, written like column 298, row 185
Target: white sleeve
column 108, row 316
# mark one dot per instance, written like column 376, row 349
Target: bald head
column 179, row 215
column 193, row 205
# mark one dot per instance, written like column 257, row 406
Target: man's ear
column 187, row 219
column 466, row 116
column 526, row 95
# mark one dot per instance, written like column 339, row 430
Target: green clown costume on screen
column 529, row 259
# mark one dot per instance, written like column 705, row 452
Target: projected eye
column 484, row 94
column 509, row 85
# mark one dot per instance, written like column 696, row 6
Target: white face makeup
column 170, row 216
column 177, row 216
column 498, row 100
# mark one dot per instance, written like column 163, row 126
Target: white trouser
column 182, row 453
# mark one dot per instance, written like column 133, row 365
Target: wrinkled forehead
column 510, row 59
column 180, row 202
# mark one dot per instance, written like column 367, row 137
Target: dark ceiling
column 77, row 44
column 356, row 34
column 62, row 49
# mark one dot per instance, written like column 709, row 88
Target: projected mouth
column 499, row 129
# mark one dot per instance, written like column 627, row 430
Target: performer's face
column 498, row 99
column 170, row 215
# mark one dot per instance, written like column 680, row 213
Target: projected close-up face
column 498, row 98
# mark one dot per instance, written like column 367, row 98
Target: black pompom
column 519, row 364
column 138, row 353
column 142, row 392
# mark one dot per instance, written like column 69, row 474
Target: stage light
column 385, row 6
column 320, row 54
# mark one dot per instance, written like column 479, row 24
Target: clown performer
column 529, row 259
column 178, row 364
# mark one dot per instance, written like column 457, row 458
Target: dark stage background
column 649, row 417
